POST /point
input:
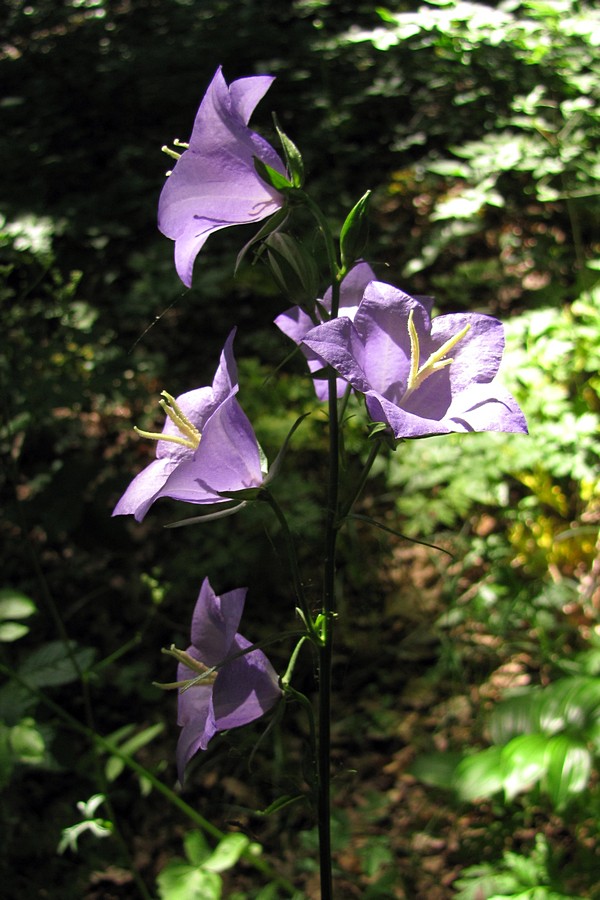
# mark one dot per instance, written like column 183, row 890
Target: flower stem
column 325, row 650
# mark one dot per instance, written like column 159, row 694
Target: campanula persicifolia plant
column 365, row 341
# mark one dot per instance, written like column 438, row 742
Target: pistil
column 418, row 374
column 189, row 435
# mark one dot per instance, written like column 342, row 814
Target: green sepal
column 272, row 224
column 354, row 233
column 293, row 268
column 221, row 513
column 293, row 158
column 246, row 494
column 279, row 804
column 271, row 176
column 380, row 431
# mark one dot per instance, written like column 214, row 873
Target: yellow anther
column 189, row 435
column 435, row 361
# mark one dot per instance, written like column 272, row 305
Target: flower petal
column 338, row 344
column 403, row 423
column 295, row 323
column 477, row 356
column 227, row 459
column 214, row 183
column 215, row 622
column 486, row 407
column 382, row 323
column 352, row 289
column 245, row 689
column 145, row 489
column 196, row 718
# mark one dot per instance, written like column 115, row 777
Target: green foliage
column 129, row 743
column 198, row 876
column 547, row 737
column 531, row 877
column 14, row 605
column 551, row 366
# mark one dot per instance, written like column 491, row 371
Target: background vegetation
column 476, row 125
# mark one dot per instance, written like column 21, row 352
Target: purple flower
column 419, row 376
column 238, row 692
column 296, row 323
column 206, row 446
column 214, row 183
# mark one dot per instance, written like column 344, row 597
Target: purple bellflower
column 420, row 377
column 207, row 446
column 214, row 183
column 235, row 693
column 296, row 323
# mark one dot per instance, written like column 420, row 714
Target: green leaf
column 115, row 765
column 15, row 605
column 570, row 703
column 196, row 846
column 272, row 177
column 293, row 268
column 523, row 763
column 272, row 224
column 436, row 769
column 480, row 775
column 281, row 803
column 27, row 743
column 12, row 631
column 354, row 233
column 227, row 852
column 51, row 665
column 513, row 717
column 180, row 881
column 569, row 764
column 482, row 881
column 293, row 158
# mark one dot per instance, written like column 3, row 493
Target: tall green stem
column 325, row 650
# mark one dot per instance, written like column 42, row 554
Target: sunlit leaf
column 180, row 881
column 196, row 847
column 480, row 775
column 514, row 716
column 115, row 765
column 12, row 631
column 569, row 764
column 27, row 743
column 523, row 763
column 227, row 852
column 15, row 605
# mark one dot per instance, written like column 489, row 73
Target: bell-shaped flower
column 296, row 323
column 420, row 376
column 214, row 183
column 239, row 690
column 207, row 446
